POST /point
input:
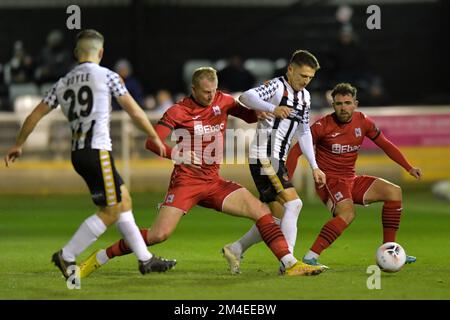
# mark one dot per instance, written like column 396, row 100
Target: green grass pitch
column 33, row 227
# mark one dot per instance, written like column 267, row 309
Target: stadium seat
column 220, row 64
column 17, row 90
column 23, row 105
column 8, row 132
column 262, row 69
column 45, row 87
column 115, row 129
column 60, row 139
column 280, row 63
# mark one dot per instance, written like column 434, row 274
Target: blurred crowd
column 24, row 73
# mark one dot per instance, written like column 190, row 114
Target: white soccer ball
column 441, row 190
column 391, row 257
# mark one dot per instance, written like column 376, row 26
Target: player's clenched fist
column 13, row 153
column 282, row 112
column 416, row 173
column 319, row 177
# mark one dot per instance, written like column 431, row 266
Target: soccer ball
column 441, row 190
column 391, row 257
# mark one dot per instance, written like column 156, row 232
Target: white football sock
column 250, row 238
column 288, row 260
column 89, row 231
column 102, row 257
column 311, row 255
column 289, row 221
column 131, row 234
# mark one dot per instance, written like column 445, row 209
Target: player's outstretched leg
column 391, row 195
column 275, row 240
column 234, row 252
column 102, row 256
column 120, row 248
column 344, row 214
column 90, row 264
column 242, row 203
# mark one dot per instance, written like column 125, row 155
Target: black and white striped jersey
column 274, row 136
column 85, row 98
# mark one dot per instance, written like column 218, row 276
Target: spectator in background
column 54, row 60
column 19, row 69
column 280, row 67
column 4, row 106
column 234, row 77
column 350, row 64
column 376, row 94
column 348, row 59
column 125, row 70
column 164, row 101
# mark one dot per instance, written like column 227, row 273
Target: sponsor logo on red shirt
column 200, row 129
column 339, row 148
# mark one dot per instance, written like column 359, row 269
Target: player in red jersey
column 197, row 121
column 338, row 137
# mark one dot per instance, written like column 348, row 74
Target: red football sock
column 120, row 248
column 392, row 210
column 329, row 233
column 272, row 236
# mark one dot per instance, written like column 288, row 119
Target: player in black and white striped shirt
column 288, row 100
column 84, row 95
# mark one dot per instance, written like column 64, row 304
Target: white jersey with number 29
column 84, row 95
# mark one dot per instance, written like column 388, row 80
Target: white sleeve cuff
column 306, row 144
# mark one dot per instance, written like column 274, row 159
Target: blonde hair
column 203, row 73
column 89, row 41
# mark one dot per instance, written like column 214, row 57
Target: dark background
column 409, row 52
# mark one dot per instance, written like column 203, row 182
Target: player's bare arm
column 140, row 119
column 27, row 128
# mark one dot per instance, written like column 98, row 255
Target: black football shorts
column 99, row 172
column 270, row 178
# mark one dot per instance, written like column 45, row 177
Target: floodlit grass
column 33, row 227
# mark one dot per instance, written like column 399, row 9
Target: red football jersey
column 202, row 130
column 337, row 143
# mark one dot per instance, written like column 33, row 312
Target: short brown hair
column 303, row 57
column 90, row 34
column 203, row 72
column 344, row 89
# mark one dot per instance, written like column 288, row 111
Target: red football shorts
column 188, row 192
column 340, row 189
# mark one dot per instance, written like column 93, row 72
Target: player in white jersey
column 84, row 95
column 289, row 102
